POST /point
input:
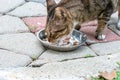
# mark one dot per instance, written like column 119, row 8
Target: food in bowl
column 66, row 41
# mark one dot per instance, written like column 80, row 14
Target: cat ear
column 61, row 12
column 50, row 4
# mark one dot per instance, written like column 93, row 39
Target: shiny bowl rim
column 43, row 42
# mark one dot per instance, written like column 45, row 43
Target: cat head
column 59, row 21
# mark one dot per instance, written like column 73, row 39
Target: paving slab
column 10, row 24
column 38, row 1
column 54, row 56
column 22, row 43
column 30, row 9
column 68, row 70
column 90, row 32
column 35, row 24
column 7, row 5
column 0, row 15
column 11, row 59
column 42, row 1
column 114, row 29
column 106, row 48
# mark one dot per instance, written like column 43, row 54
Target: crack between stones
column 6, row 13
column 35, row 1
column 39, row 15
column 91, row 48
column 102, row 55
column 14, row 52
column 34, row 66
column 15, row 7
column 35, row 59
column 15, row 32
column 115, row 24
column 40, row 65
column 94, row 51
column 75, row 59
column 65, row 60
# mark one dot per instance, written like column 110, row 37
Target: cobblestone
column 106, row 48
column 7, row 5
column 9, row 24
column 39, row 1
column 73, row 69
column 11, row 59
column 25, row 43
column 29, row 9
column 54, row 56
column 24, row 58
column 0, row 15
column 114, row 29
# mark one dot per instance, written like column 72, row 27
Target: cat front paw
column 100, row 36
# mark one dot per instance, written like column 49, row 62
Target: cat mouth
column 52, row 40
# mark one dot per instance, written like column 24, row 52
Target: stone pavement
column 24, row 58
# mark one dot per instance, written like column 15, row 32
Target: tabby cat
column 63, row 17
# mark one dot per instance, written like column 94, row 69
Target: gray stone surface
column 9, row 24
column 18, row 47
column 22, row 43
column 106, row 48
column 7, row 5
column 68, row 70
column 11, row 59
column 0, row 15
column 29, row 9
column 114, row 29
column 53, row 56
column 40, row 1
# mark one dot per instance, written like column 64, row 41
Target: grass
column 100, row 78
column 118, row 63
column 88, row 56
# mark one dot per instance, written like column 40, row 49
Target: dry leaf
column 32, row 28
column 109, row 76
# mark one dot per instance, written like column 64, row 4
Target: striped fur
column 62, row 16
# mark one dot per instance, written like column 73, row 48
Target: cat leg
column 118, row 24
column 103, row 18
column 100, row 30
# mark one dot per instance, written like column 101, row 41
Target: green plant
column 118, row 63
column 88, row 56
column 99, row 78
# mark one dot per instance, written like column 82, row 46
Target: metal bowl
column 81, row 37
